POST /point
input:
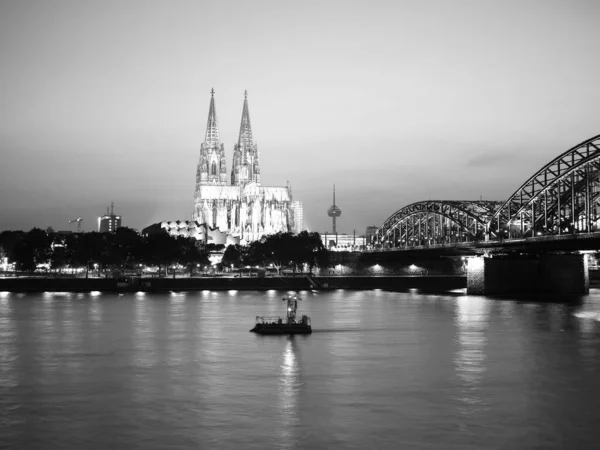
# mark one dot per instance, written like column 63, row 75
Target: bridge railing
column 423, row 247
column 544, row 238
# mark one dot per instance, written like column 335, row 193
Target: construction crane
column 78, row 220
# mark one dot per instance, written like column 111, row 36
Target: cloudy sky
column 393, row 101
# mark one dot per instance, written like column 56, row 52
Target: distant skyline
column 393, row 102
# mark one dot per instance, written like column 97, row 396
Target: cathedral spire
column 245, row 139
column 211, row 166
column 246, row 166
column 212, row 131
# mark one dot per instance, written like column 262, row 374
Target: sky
column 392, row 101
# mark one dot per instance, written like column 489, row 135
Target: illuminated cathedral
column 243, row 209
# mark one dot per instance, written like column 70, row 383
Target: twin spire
column 245, row 158
column 212, row 129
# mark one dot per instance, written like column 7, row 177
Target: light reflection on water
column 471, row 324
column 70, row 335
column 95, row 311
column 8, row 352
column 176, row 330
column 143, row 334
column 382, row 370
column 288, row 388
column 588, row 317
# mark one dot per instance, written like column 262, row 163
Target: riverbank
column 433, row 283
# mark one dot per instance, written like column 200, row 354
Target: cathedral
column 243, row 209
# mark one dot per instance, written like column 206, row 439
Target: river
column 381, row 370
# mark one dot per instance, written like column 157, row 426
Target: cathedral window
column 214, row 169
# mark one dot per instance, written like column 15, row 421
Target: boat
column 287, row 325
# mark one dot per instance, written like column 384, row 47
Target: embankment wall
column 427, row 283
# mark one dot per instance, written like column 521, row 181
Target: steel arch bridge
column 435, row 222
column 561, row 198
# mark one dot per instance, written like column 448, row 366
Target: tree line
column 125, row 250
column 121, row 250
column 280, row 250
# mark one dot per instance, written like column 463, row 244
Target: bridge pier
column 559, row 274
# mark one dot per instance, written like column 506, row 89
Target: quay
column 430, row 283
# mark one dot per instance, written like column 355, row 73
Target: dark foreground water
column 382, row 370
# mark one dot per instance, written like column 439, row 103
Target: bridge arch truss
column 561, row 198
column 436, row 222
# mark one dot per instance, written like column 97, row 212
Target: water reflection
column 8, row 351
column 507, row 311
column 471, row 323
column 210, row 348
column 176, row 334
column 274, row 306
column 288, row 390
column 588, row 318
column 46, row 334
column 95, row 311
column 71, row 335
column 143, row 332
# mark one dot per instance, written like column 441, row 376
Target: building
column 243, row 209
column 298, row 216
column 196, row 230
column 341, row 242
column 109, row 222
column 371, row 230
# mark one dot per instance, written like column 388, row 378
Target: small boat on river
column 287, row 325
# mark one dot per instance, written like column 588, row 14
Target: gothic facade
column 243, row 209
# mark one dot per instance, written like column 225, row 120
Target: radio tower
column 334, row 211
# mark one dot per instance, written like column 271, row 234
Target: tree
column 160, row 249
column 89, row 248
column 40, row 245
column 312, row 249
column 191, row 254
column 254, row 254
column 32, row 249
column 126, row 247
column 232, row 256
column 60, row 256
column 322, row 258
column 9, row 240
column 278, row 249
column 24, row 256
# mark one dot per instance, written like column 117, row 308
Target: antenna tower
column 334, row 212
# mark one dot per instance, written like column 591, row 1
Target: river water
column 381, row 370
